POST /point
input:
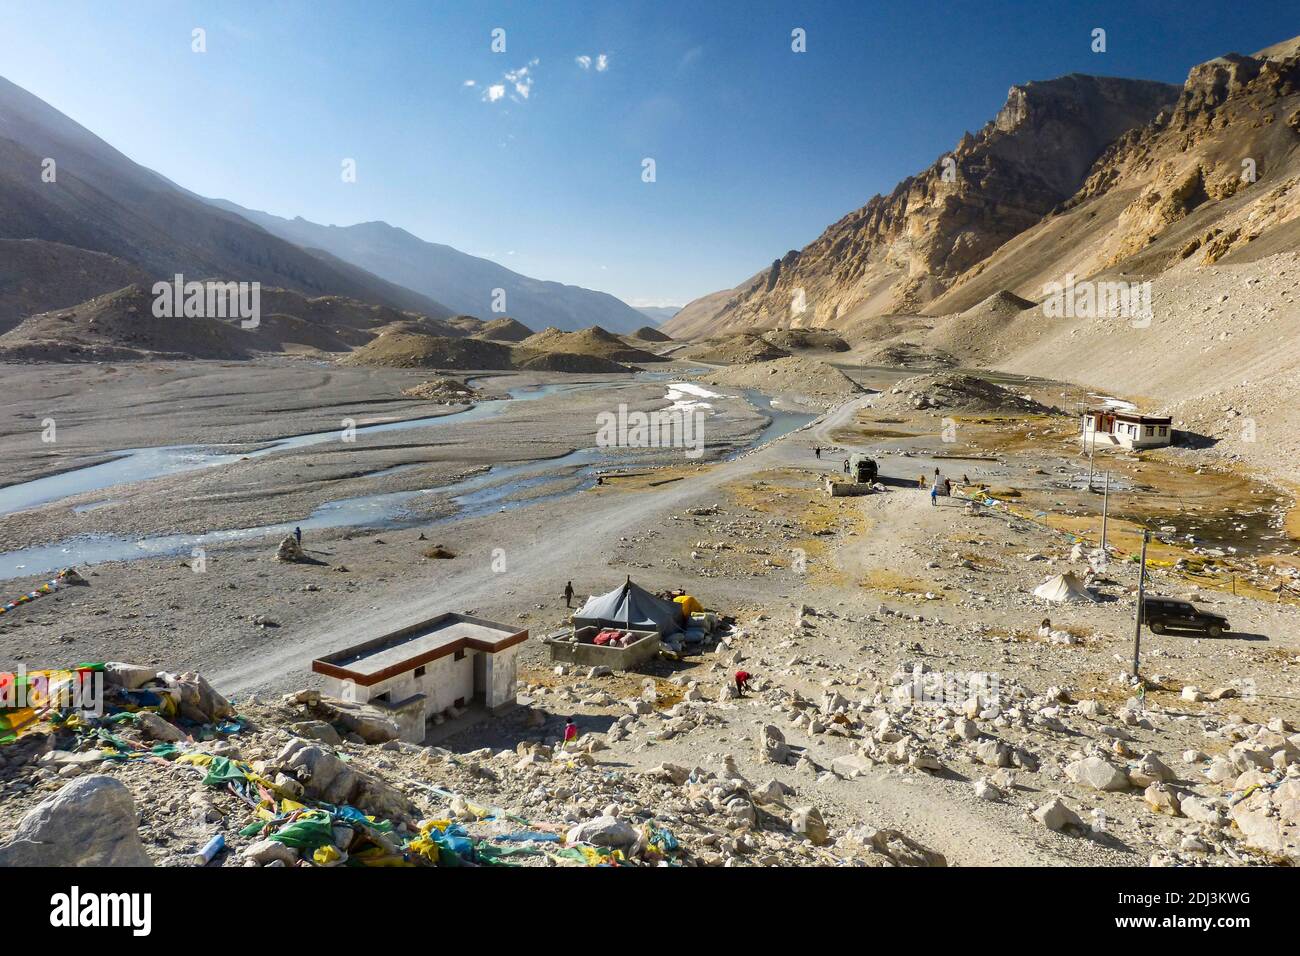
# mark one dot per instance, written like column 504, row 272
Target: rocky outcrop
column 1228, row 130
column 899, row 251
column 1074, row 177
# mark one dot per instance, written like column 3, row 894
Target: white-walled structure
column 1107, row 426
column 444, row 664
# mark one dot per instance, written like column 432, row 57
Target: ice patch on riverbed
column 678, row 392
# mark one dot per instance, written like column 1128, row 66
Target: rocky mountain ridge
column 899, row 251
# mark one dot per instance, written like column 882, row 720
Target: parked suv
column 1166, row 614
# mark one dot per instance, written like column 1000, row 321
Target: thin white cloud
column 600, row 61
column 516, row 85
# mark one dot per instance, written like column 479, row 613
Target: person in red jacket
column 742, row 682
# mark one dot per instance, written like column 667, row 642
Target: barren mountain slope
column 37, row 276
column 98, row 199
column 1221, row 337
column 464, row 282
column 899, row 252
column 1215, row 178
column 121, row 325
column 697, row 317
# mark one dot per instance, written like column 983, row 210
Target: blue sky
column 756, row 148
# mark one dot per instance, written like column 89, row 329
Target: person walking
column 568, row 594
column 817, row 451
column 934, row 489
column 297, row 533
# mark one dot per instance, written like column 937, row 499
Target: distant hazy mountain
column 463, row 282
column 659, row 314
column 94, row 198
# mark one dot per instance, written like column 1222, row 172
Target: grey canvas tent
column 630, row 606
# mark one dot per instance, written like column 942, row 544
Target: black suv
column 1166, row 614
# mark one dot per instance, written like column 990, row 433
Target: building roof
column 1132, row 416
column 392, row 654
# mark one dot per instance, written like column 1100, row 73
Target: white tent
column 1064, row 587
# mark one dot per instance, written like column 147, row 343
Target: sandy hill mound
column 459, row 325
column 420, row 350
column 504, row 329
column 818, row 340
column 593, row 341
column 982, row 331
column 956, row 392
column 648, row 333
column 740, row 349
column 289, row 333
column 910, row 355
column 1001, row 304
column 121, row 325
column 39, row 276
column 565, row 362
column 792, row 375
column 445, row 391
column 352, row 321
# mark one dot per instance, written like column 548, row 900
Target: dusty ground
column 892, row 583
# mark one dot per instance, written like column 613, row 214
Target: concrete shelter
column 442, row 665
column 1108, row 426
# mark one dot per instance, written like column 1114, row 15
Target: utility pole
column 1092, row 446
column 1105, row 510
column 1142, row 582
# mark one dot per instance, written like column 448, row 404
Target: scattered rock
column 90, row 822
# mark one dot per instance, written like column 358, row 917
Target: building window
column 384, row 696
column 419, row 671
column 1163, row 429
column 460, row 654
column 460, row 701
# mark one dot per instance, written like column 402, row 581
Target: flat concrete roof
column 413, row 646
column 1131, row 416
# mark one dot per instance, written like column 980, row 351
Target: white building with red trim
column 1125, row 429
column 428, row 671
